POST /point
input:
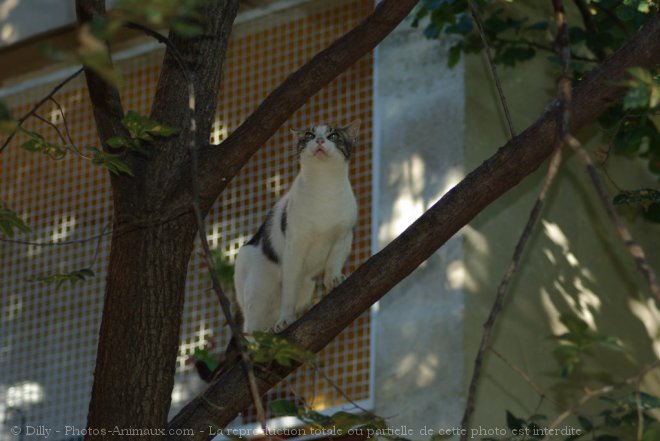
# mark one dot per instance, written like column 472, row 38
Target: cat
column 309, row 231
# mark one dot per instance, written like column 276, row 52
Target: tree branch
column 220, row 165
column 36, row 107
column 514, row 161
column 564, row 99
column 204, row 56
column 493, row 69
column 105, row 98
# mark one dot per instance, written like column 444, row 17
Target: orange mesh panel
column 49, row 336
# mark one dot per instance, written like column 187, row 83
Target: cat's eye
column 309, row 136
column 333, row 136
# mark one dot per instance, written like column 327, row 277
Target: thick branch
column 204, row 56
column 222, row 401
column 219, row 165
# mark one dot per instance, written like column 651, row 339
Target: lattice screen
column 48, row 336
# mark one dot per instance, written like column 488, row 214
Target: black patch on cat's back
column 263, row 238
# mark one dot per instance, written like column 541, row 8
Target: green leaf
column 37, row 144
column 117, row 142
column 651, row 434
column 586, row 424
column 568, row 356
column 164, row 13
column 513, row 422
column 644, row 197
column 143, row 128
column 9, row 221
column 60, row 278
column 204, row 356
column 539, row 26
column 267, row 347
column 454, row 55
column 110, row 161
column 95, row 54
column 628, row 139
column 574, row 323
column 186, row 29
column 284, row 408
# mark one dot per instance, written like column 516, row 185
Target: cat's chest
column 322, row 206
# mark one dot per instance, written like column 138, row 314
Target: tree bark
column 139, row 334
column 221, row 402
column 150, row 247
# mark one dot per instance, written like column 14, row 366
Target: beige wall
column 574, row 261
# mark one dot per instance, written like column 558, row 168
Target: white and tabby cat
column 308, row 232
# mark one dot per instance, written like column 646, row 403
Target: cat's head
column 326, row 143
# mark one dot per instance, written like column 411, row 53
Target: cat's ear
column 297, row 133
column 352, row 130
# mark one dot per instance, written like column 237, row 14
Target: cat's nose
column 320, row 141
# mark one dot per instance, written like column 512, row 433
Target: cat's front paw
column 283, row 323
column 331, row 282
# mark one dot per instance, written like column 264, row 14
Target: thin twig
column 339, row 390
column 536, row 45
column 36, row 107
column 208, row 257
column 49, row 244
column 564, row 93
column 493, row 69
column 635, row 250
column 98, row 244
column 57, row 130
column 542, row 394
column 640, row 413
column 66, row 125
column 588, row 395
column 503, row 287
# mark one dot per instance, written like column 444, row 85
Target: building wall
column 573, row 262
column 419, row 330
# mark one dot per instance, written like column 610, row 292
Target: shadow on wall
column 573, row 264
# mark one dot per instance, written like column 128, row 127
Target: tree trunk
column 153, row 237
column 139, row 335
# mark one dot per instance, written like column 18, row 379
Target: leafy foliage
column 140, row 129
column 575, row 343
column 630, row 125
column 616, row 421
column 337, row 424
column 60, row 278
column 267, row 347
column 225, row 270
column 515, row 38
column 643, row 90
column 205, row 356
column 182, row 16
column 110, row 161
column 9, row 221
column 38, row 144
